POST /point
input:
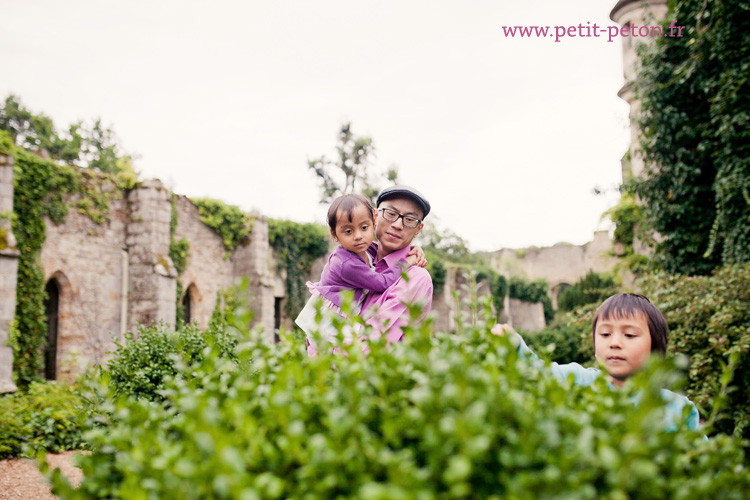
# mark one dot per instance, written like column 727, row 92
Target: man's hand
column 419, row 258
column 501, row 329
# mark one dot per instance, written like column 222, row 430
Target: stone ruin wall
column 561, row 264
column 116, row 275
column 86, row 261
column 207, row 271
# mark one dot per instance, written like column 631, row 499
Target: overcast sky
column 507, row 137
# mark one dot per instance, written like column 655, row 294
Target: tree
column 350, row 172
column 94, row 146
column 695, row 123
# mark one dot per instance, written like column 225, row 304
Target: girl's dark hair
column 346, row 204
column 631, row 304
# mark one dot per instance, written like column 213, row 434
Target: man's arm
column 389, row 314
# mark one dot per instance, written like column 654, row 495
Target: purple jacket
column 347, row 271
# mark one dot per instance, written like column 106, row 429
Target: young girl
column 351, row 220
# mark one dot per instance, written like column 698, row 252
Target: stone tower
column 8, row 272
column 634, row 13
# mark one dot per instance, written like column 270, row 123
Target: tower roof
column 622, row 3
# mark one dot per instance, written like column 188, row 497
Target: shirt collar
column 394, row 257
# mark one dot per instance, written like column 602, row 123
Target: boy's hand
column 420, row 260
column 501, row 329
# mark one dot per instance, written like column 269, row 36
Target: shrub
column 141, row 365
column 47, row 416
column 592, row 288
column 567, row 339
column 438, row 416
column 709, row 320
column 533, row 291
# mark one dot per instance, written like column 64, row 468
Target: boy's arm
column 357, row 274
column 583, row 376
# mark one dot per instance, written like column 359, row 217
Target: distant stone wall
column 114, row 276
column 8, row 273
column 559, row 264
column 207, row 271
column 85, row 260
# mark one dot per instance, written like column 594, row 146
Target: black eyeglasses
column 393, row 216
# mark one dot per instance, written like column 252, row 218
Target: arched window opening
column 51, row 310
column 186, row 306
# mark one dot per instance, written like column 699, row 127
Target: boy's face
column 623, row 345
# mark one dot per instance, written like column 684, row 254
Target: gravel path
column 20, row 478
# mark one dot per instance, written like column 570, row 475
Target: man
column 401, row 212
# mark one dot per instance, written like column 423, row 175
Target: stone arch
column 56, row 289
column 190, row 299
column 556, row 290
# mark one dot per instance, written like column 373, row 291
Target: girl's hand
column 411, row 259
column 420, row 259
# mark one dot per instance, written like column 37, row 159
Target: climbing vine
column 178, row 252
column 297, row 246
column 230, row 223
column 43, row 188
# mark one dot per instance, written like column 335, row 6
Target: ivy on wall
column 43, row 188
column 179, row 253
column 230, row 223
column 297, row 246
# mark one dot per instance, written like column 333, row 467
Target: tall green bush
column 532, row 291
column 709, row 320
column 568, row 338
column 437, row 416
column 141, row 365
column 592, row 288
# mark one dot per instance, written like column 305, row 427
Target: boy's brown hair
column 632, row 304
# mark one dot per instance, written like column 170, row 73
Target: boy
column 627, row 329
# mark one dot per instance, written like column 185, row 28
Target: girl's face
column 623, row 345
column 355, row 236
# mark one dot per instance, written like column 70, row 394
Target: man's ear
column 374, row 217
column 419, row 229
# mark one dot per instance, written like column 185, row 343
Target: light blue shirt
column 675, row 403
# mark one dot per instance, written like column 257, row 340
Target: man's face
column 394, row 236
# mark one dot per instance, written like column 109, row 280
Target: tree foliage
column 695, row 123
column 91, row 145
column 350, row 171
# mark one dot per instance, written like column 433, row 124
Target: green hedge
column 46, row 416
column 142, row 364
column 709, row 321
column 593, row 288
column 438, row 416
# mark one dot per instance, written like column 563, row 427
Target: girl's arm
column 357, row 274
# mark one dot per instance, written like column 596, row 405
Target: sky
column 507, row 137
